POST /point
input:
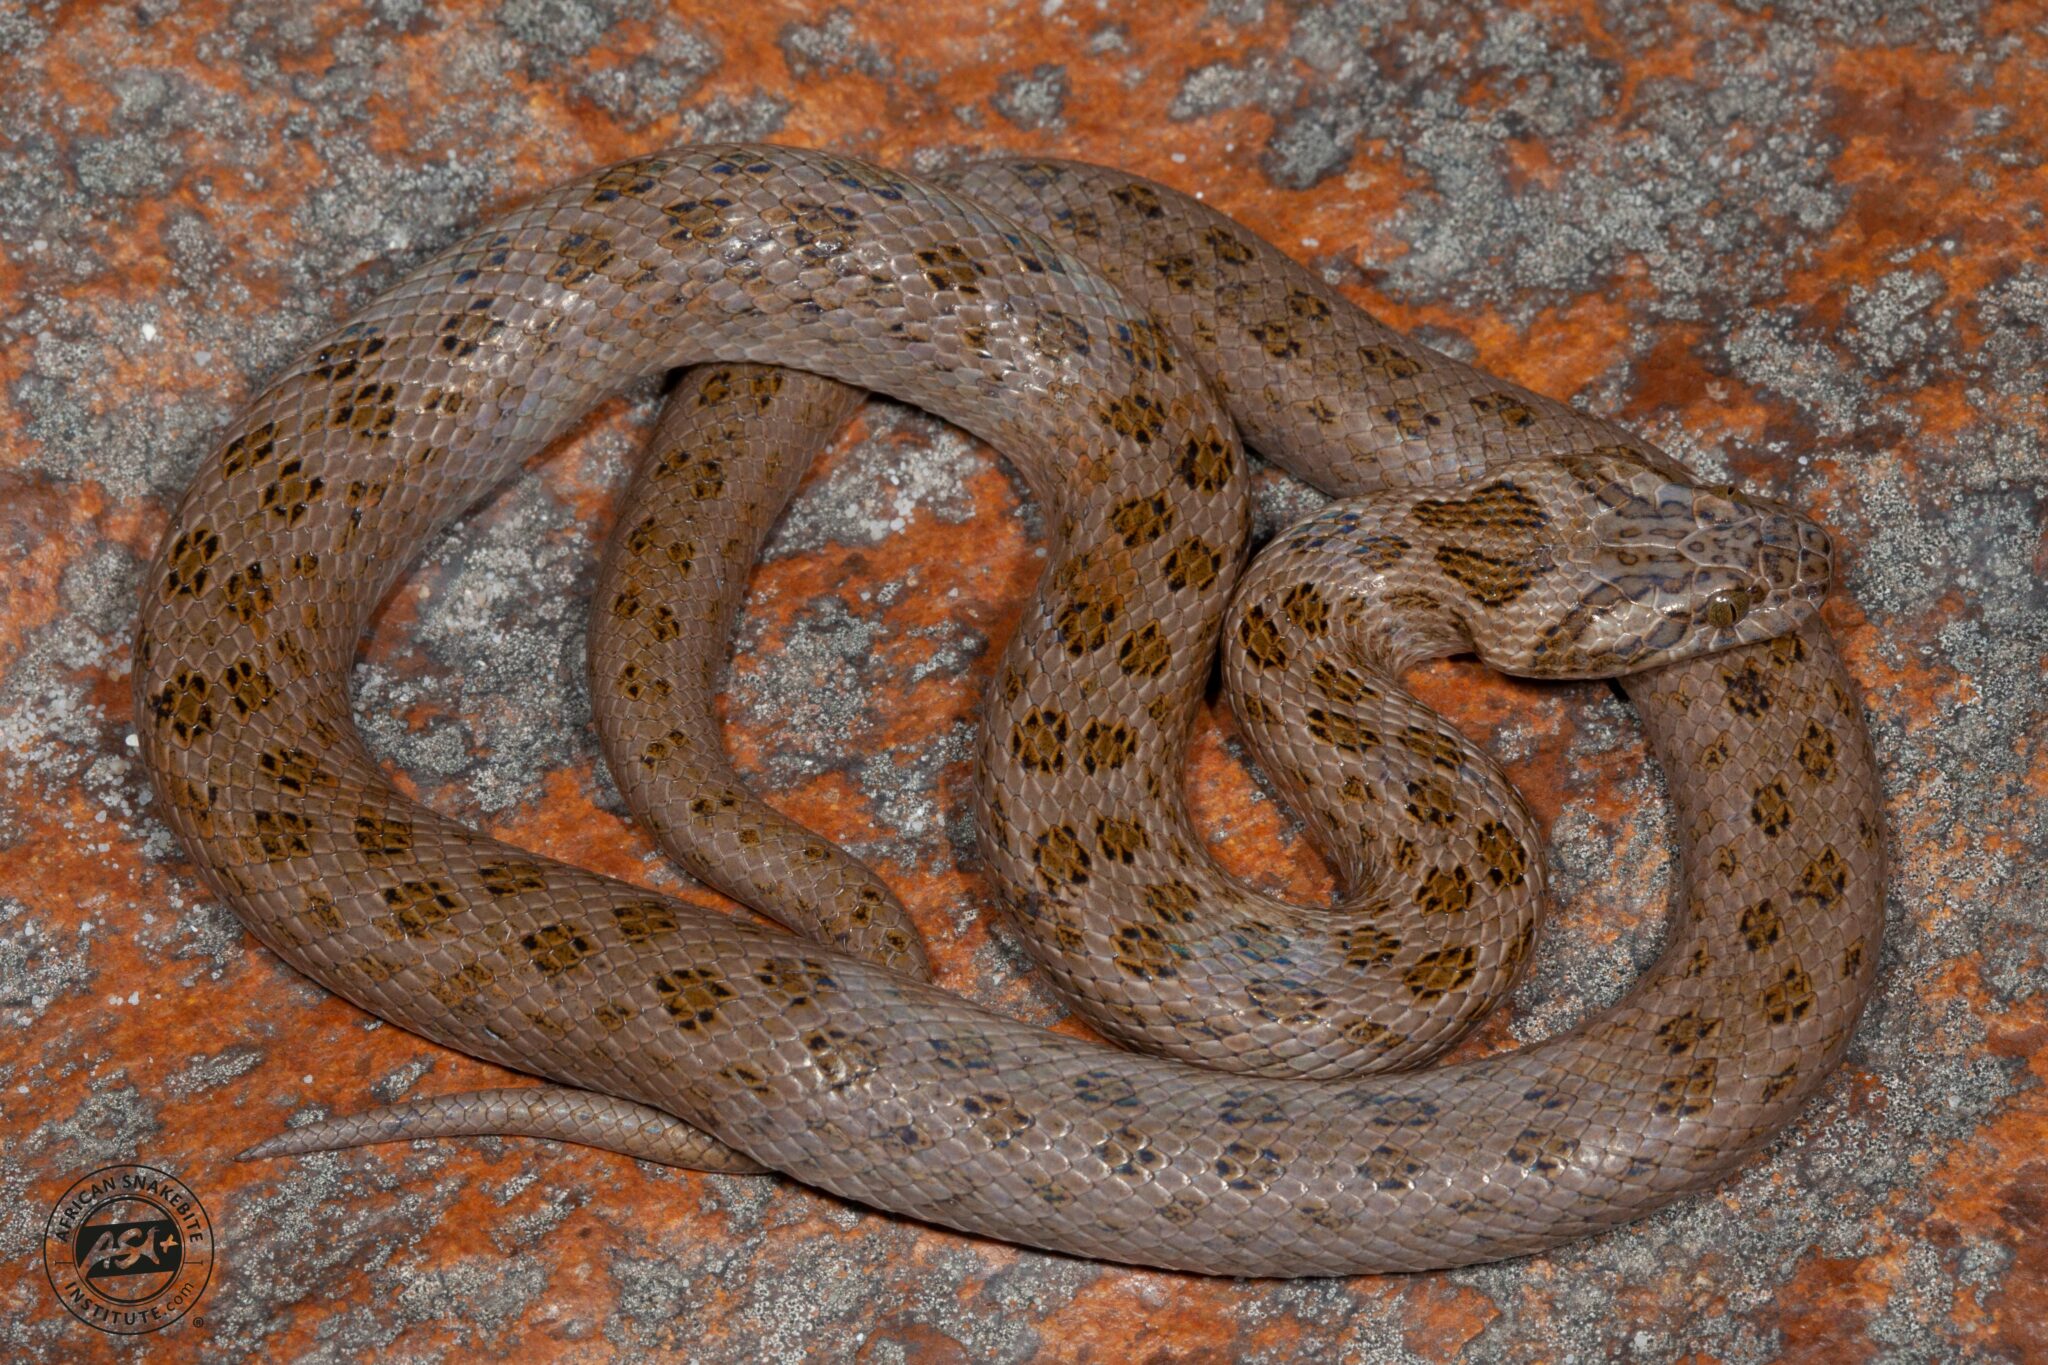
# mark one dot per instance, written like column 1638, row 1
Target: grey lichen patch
column 997, row 1317
column 814, row 688
column 909, row 465
column 388, row 214
column 1770, row 349
column 1309, row 147
column 476, row 1297
column 1891, row 330
column 207, row 933
column 818, row 1298
column 1005, row 976
column 53, row 726
column 38, row 967
column 126, row 166
column 1903, row 549
column 655, row 83
column 130, row 444
column 1326, row 1323
column 557, row 1203
column 814, row 692
column 1999, row 652
column 555, row 31
column 1111, row 39
column 20, row 31
column 1949, row 25
column 1653, row 182
column 393, row 1086
column 1032, row 99
column 1242, row 13
column 2014, row 316
column 399, row 15
column 1920, row 1307
column 722, row 118
column 206, row 1072
column 658, row 1301
column 322, row 1220
column 113, row 1122
column 1259, row 80
column 813, row 1300
column 99, row 588
column 904, row 788
column 744, row 1199
column 502, row 626
column 832, row 44
column 563, row 41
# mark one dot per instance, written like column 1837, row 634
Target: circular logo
column 128, row 1249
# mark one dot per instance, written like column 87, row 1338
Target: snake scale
column 1492, row 520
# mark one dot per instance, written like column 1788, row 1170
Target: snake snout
column 1769, row 578
column 1756, row 545
column 1794, row 556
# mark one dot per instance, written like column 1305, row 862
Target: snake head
column 1665, row 569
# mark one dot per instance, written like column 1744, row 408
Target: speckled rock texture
column 1800, row 244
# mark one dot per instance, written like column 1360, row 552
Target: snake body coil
column 860, row 1079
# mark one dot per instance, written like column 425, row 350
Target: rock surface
column 1801, row 244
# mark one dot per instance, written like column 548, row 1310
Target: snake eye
column 1725, row 608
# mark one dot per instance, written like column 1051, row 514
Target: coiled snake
column 1505, row 523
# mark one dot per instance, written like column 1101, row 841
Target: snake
column 1111, row 339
